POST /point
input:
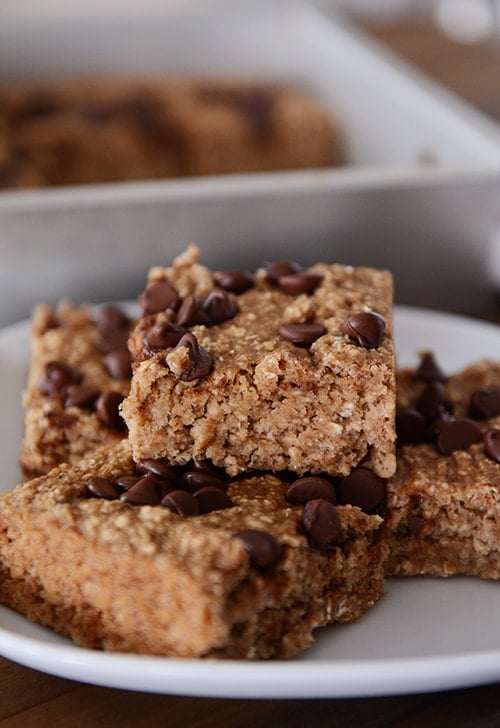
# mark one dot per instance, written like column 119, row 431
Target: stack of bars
column 219, row 476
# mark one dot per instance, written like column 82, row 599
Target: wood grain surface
column 29, row 698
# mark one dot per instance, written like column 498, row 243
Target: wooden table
column 29, row 698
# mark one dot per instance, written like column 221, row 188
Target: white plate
column 426, row 634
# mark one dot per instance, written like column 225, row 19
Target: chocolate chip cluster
column 365, row 328
column 199, row 488
column 65, row 382
column 431, row 419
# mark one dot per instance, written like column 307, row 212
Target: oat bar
column 79, row 373
column 443, row 503
column 180, row 562
column 103, row 130
column 287, row 369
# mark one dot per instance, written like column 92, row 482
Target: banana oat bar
column 103, row 130
column 79, row 373
column 443, row 504
column 180, row 562
column 286, row 369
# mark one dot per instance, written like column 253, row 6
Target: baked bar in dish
column 85, row 131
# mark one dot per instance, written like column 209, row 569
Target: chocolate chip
column 362, row 488
column 110, row 317
column 367, row 328
column 411, row 427
column 485, row 403
column 158, row 467
column 456, row 435
column 182, row 503
column 301, row 334
column 433, row 401
column 201, row 360
column 125, row 482
column 158, row 297
column 212, row 499
column 191, row 313
column 145, row 492
column 321, row 522
column 107, row 410
column 310, row 487
column 196, row 479
column 219, row 307
column 57, row 376
column 428, row 370
column 118, row 364
column 163, row 336
column 279, row 268
column 263, row 549
column 492, row 444
column 206, row 466
column 78, row 395
column 101, row 488
column 297, row 283
column 234, row 281
column 112, row 339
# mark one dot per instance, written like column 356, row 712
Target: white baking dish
column 431, row 223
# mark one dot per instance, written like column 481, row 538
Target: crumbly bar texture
column 443, row 504
column 104, row 130
column 145, row 579
column 77, row 374
column 267, row 403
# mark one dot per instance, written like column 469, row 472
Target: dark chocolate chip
column 212, row 499
column 206, row 466
column 101, row 488
column 78, row 395
column 310, row 487
column 279, row 268
column 219, row 307
column 411, row 427
column 125, row 482
column 182, row 503
column 158, row 297
column 112, row 339
column 362, row 488
column 201, row 360
column 301, row 334
column 145, row 492
column 158, row 467
column 163, row 336
column 367, row 328
column 492, row 444
column 196, row 479
column 118, row 364
column 485, row 403
column 263, row 549
column 321, row 522
column 107, row 410
column 111, row 317
column 297, row 283
column 234, row 281
column 57, row 376
column 456, row 435
column 428, row 370
column 433, row 401
column 191, row 313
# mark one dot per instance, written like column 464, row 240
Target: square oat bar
column 286, row 369
column 443, row 504
column 183, row 562
column 79, row 373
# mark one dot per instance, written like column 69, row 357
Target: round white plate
column 425, row 634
